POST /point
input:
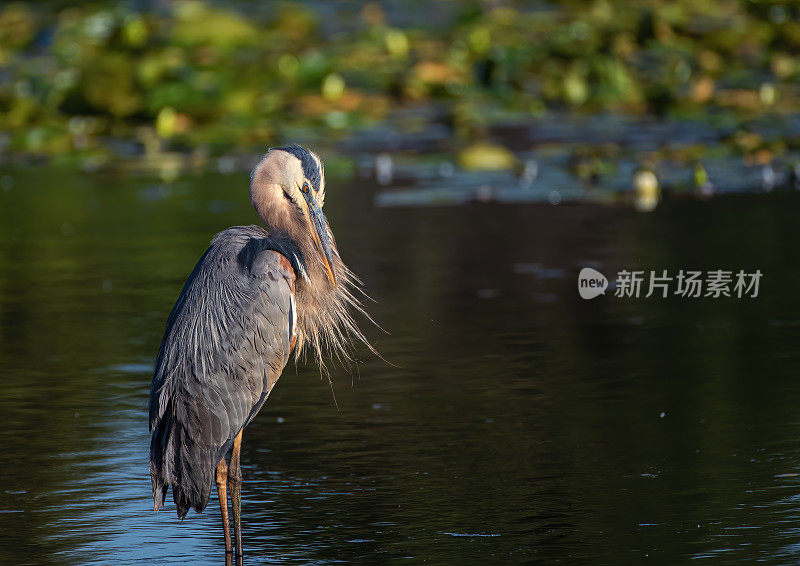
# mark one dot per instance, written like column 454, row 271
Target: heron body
column 255, row 297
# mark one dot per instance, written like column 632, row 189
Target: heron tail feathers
column 177, row 460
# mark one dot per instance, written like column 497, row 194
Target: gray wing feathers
column 227, row 340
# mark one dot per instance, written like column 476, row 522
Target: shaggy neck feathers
column 324, row 310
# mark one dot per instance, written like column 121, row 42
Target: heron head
column 287, row 189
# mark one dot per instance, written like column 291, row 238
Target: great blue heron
column 255, row 297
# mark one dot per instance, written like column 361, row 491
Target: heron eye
column 305, row 187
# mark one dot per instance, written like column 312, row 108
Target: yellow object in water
column 333, row 87
column 486, row 157
column 166, row 122
column 647, row 193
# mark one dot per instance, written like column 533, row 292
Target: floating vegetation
column 570, row 100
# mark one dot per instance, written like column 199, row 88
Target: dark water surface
column 523, row 423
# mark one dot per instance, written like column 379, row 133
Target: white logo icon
column 591, row 283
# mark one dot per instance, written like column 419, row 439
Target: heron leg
column 235, row 480
column 222, row 491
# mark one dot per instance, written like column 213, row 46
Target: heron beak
column 322, row 240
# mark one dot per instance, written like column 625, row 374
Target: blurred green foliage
column 200, row 74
